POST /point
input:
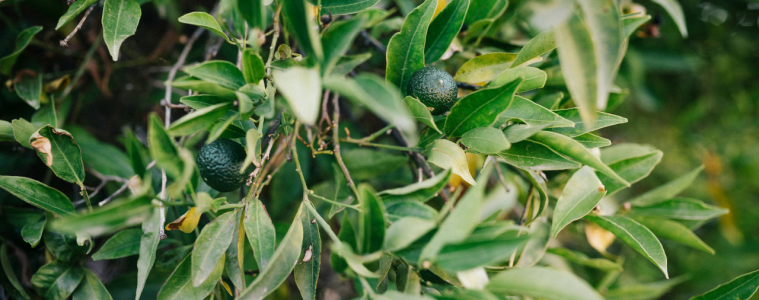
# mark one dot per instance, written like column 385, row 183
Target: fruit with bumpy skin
column 433, row 87
column 219, row 164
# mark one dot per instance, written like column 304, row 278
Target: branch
column 336, row 139
column 370, row 40
column 65, row 42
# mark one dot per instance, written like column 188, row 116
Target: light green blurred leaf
column 623, row 151
column 667, row 190
column 533, row 114
column 532, row 78
column 581, row 127
column 38, row 194
column 151, row 229
column 480, row 109
column 254, row 12
column 371, row 221
column 469, row 255
column 405, row 51
column 364, row 163
column 631, row 169
column 198, row 102
column 221, row 72
column 253, row 68
column 581, row 194
column 632, row 23
column 448, row 155
column 120, row 19
column 544, row 283
column 590, row 140
column 674, row 231
column 122, row 244
column 198, row 120
column 337, row 39
column 582, row 259
column 347, row 63
column 211, row 245
column 680, row 208
column 405, row 231
column 162, row 147
column 6, row 131
column 485, row 67
column 537, row 46
column 400, row 209
column 103, row 220
column 485, row 140
column 203, row 87
column 419, row 191
column 643, row 291
column 301, row 87
column 346, row 7
column 674, row 9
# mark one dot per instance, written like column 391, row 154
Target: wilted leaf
column 59, row 151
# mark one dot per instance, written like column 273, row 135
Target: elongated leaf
column 260, row 232
column 349, row 62
column 235, row 256
column 533, row 114
column 520, row 132
column 120, row 19
column 636, row 236
column 420, row 191
column 199, row 102
column 254, row 12
column 742, row 288
column 644, row 291
column 221, row 72
column 405, row 231
column 447, row 25
column 198, row 120
column 57, row 280
column 632, row 23
column 535, row 248
column 59, row 151
column 122, row 244
column 307, row 268
column 399, row 209
column 537, row 46
column 674, row 231
column 22, row 40
column 210, row 246
column 420, row 112
column 103, row 220
column 364, row 163
column 10, row 273
column 281, row 264
column 623, row 151
column 337, row 39
column 32, row 233
column 667, row 190
column 580, row 66
column 302, row 24
column 573, row 149
column 203, row 87
column 405, row 51
column 252, row 63
column 347, row 236
column 470, row 255
column 179, row 285
column 674, row 9
column 681, row 208
column 581, row 194
column 345, row 7
column 371, row 221
column 590, row 140
column 38, row 194
column 485, row 67
column 91, row 288
column 204, row 20
column 485, row 140
column 631, row 169
column 6, row 131
column 148, row 245
column 581, row 127
column 63, row 246
column 448, row 155
column 480, row 109
column 544, row 283
column 301, row 87
column 22, row 131
column 162, row 148
column 73, row 11
column 532, row 78
column 530, row 155
column 582, row 259
column 29, row 88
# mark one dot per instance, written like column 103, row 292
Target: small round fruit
column 219, row 164
column 433, row 87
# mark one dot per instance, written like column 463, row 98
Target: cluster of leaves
column 532, row 115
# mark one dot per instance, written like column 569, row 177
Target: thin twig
column 65, row 42
column 119, row 191
column 500, row 175
column 336, row 139
column 275, row 21
column 82, row 67
column 390, row 147
column 370, row 40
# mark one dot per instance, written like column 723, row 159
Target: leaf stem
column 390, row 147
column 87, row 198
column 234, row 205
column 323, row 223
column 355, row 207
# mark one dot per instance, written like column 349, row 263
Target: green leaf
column 59, row 151
column 470, row 255
column 590, row 140
column 674, row 9
column 632, row 23
column 541, row 44
column 667, row 190
column 420, row 112
column 541, row 282
column 674, row 231
column 221, row 72
column 10, row 273
column 120, row 19
column 742, row 288
column 460, row 222
column 399, row 209
column 162, row 147
column 302, row 24
column 405, row 51
column 260, row 232
column 281, row 264
column 337, row 39
column 179, row 285
column 210, row 246
column 530, row 155
column 581, row 194
column 447, row 25
column 198, row 102
column 366, row 163
column 631, row 169
column 573, row 149
column 222, row 127
column 532, row 78
column 485, row 67
column 301, row 87
column 482, row 9
column 6, row 131
column 63, row 246
column 22, row 131
column 520, row 132
column 447, row 155
column 254, row 12
column 480, row 109
column 38, row 194
column 381, row 97
column 582, row 259
column 533, row 114
column 581, row 127
column 680, row 208
column 104, row 158
column 345, row 7
column 57, row 280
column 74, row 10
column 103, row 220
column 637, row 236
column 204, row 20
column 405, row 231
column 643, row 291
column 623, row 151
column 91, row 288
column 485, row 140
column 235, row 256
column 22, row 40
column 203, row 87
column 347, row 236
column 420, row 191
column 198, row 120
column 29, row 88
column 151, row 234
column 252, row 64
column 32, row 233
column 122, row 244
column 306, row 271
column 347, row 63
column 371, row 221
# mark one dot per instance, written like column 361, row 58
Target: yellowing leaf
column 187, row 222
column 598, row 238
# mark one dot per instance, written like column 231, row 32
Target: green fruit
column 219, row 164
column 433, row 87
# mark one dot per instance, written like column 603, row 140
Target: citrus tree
column 297, row 160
